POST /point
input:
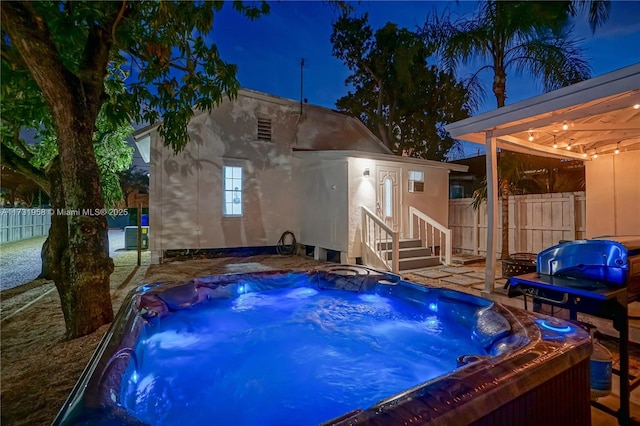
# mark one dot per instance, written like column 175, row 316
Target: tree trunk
column 83, row 282
column 81, row 266
column 504, row 190
column 57, row 240
column 500, row 85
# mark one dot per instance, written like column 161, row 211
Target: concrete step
column 411, row 252
column 418, row 262
column 404, row 243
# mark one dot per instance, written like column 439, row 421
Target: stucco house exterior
column 260, row 165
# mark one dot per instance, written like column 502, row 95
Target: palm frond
column 558, row 61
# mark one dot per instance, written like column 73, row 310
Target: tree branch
column 21, row 166
column 32, row 40
column 16, row 139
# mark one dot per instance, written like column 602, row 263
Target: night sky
column 268, row 50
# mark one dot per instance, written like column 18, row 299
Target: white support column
column 492, row 210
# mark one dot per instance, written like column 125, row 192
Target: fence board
column 20, row 224
column 537, row 221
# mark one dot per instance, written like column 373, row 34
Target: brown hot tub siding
column 562, row 400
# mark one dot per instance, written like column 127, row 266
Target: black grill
column 599, row 277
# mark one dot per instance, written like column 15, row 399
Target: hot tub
column 342, row 345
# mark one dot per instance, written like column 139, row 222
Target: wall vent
column 264, row 129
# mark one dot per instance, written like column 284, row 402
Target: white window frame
column 232, row 191
column 416, row 181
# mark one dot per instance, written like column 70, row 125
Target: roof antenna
column 301, row 83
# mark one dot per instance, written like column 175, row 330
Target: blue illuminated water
column 287, row 357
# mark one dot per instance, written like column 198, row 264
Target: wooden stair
column 412, row 254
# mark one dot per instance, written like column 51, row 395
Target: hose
column 286, row 249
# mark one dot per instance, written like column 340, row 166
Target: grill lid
column 598, row 260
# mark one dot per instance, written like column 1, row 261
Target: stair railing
column 433, row 234
column 378, row 239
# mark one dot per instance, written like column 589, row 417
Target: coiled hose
column 284, row 249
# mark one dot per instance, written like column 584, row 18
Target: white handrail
column 375, row 235
column 432, row 225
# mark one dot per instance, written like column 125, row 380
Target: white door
column 388, row 196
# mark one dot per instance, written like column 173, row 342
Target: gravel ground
column 20, row 261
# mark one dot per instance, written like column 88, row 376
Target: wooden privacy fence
column 536, row 221
column 20, row 224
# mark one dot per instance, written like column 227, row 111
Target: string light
column 530, row 136
column 555, row 145
column 565, row 126
column 617, row 151
column 569, row 147
column 596, row 154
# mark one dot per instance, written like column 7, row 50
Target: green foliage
column 532, row 174
column 133, row 179
column 164, row 53
column 523, row 36
column 113, row 155
column 172, row 64
column 398, row 96
column 27, row 109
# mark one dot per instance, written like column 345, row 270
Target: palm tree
column 521, row 36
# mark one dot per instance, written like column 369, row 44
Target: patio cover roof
column 600, row 114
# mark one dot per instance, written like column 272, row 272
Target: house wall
column 323, row 195
column 613, row 195
column 333, row 191
column 363, row 192
column 186, row 188
column 433, row 201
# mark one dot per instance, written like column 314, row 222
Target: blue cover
column 595, row 260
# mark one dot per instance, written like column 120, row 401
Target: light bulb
column 617, row 151
column 565, row 126
column 569, row 147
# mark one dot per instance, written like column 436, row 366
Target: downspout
column 492, row 209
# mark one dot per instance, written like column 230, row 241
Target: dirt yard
column 39, row 368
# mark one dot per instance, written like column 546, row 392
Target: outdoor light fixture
column 530, row 136
column 596, row 154
column 366, row 172
column 636, row 106
column 617, row 151
column 555, row 145
column 565, row 126
column 569, row 147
